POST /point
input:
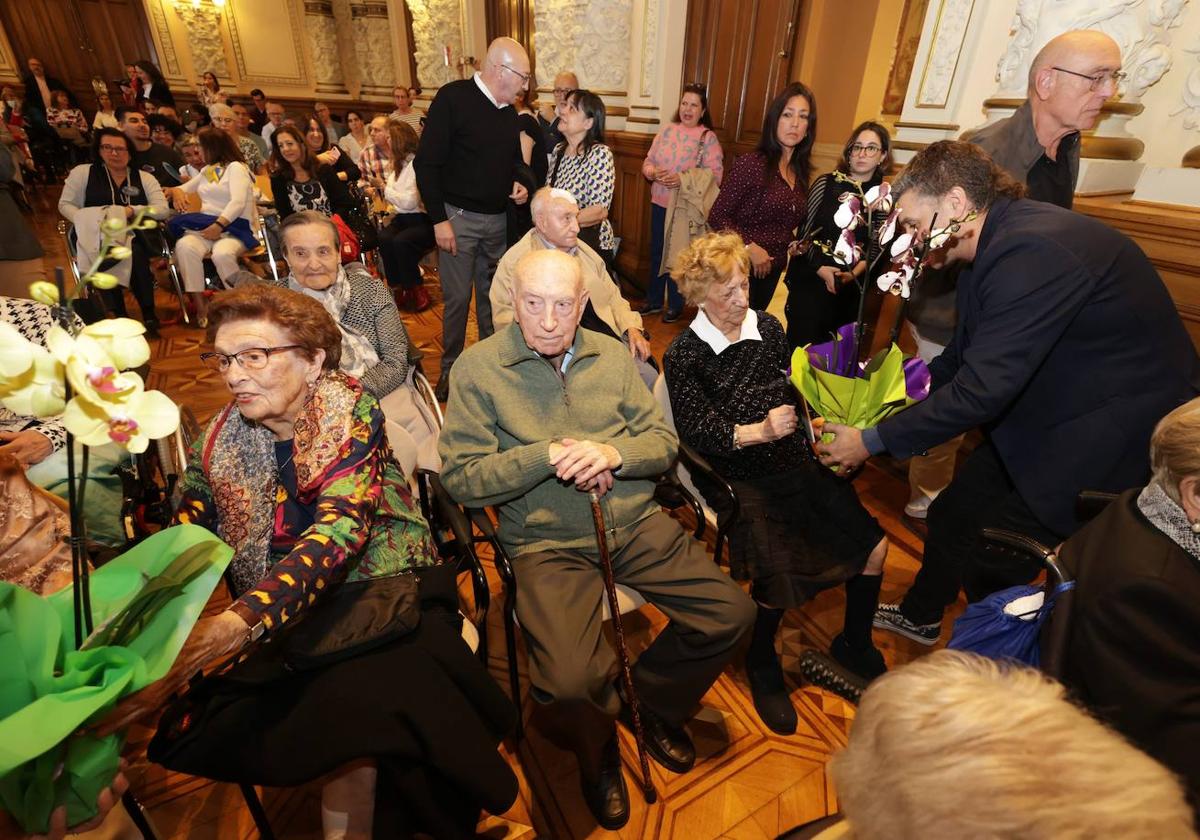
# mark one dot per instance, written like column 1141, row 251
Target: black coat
column 160, row 93
column 1131, row 651
column 1067, row 351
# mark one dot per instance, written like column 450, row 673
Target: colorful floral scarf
column 239, row 461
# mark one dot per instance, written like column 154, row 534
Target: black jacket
column 1067, row 351
column 1131, row 654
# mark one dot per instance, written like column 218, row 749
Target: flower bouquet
column 145, row 603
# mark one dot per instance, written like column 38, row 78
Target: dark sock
column 862, row 598
column 762, row 638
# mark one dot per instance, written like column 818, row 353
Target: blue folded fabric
column 239, row 227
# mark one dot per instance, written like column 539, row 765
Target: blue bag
column 987, row 629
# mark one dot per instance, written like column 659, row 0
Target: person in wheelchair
column 112, row 188
column 800, row 529
column 1134, row 616
column 296, row 476
column 223, row 228
column 540, row 415
column 556, row 225
column 375, row 346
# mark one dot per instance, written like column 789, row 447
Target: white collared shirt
column 714, row 338
column 486, row 91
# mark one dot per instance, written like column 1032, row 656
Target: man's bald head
column 556, row 216
column 549, row 299
column 1070, row 79
column 1074, row 47
column 566, row 79
column 506, row 70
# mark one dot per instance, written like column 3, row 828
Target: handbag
column 349, row 240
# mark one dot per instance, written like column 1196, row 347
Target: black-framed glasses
column 869, row 149
column 1114, row 76
column 252, row 358
column 525, row 77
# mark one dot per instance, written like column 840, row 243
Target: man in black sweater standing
column 467, row 168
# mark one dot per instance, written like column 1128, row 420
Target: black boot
column 605, row 792
column 854, row 648
column 765, row 674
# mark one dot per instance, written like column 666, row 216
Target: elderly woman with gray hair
column 1134, row 619
column 375, row 348
column 223, row 117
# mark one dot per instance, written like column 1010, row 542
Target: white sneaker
column 918, row 508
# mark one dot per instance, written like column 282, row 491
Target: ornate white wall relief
column 203, row 26
column 321, row 30
column 436, row 24
column 590, row 37
column 166, row 48
column 1190, row 94
column 940, row 65
column 649, row 45
column 373, row 46
column 1140, row 28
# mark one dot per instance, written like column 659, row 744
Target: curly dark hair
column 946, row 164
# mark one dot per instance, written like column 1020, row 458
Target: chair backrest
column 663, row 396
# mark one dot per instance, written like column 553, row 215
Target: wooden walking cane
column 614, row 609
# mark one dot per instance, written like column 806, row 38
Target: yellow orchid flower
column 38, row 391
column 122, row 340
column 44, row 292
column 90, row 369
column 16, row 354
column 130, row 423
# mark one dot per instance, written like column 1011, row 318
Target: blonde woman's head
column 712, row 258
column 1175, row 451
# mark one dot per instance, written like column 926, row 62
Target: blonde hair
column 955, row 745
column 1175, row 448
column 712, row 258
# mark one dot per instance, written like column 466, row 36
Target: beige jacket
column 687, row 214
column 604, row 294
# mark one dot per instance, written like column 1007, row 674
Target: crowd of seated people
column 556, row 403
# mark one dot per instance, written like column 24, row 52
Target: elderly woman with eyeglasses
column 295, row 474
column 823, row 295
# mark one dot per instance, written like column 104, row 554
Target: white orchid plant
column 83, row 373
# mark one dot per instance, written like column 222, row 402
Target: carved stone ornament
column 436, row 24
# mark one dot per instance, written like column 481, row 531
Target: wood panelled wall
column 79, row 39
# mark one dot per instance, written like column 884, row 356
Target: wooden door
column 79, row 39
column 742, row 51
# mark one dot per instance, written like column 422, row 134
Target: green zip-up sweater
column 507, row 404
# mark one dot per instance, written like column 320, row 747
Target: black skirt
column 797, row 533
column 423, row 707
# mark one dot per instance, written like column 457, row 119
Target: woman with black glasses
column 111, row 188
column 823, row 295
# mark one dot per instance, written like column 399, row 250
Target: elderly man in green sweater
column 540, row 414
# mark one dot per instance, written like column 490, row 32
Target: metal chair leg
column 138, row 816
column 173, row 271
column 514, row 679
column 257, row 812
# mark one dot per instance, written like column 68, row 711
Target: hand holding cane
column 614, row 609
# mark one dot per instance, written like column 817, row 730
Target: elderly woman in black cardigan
column 800, row 529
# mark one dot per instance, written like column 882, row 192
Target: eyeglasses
column 869, row 149
column 253, row 358
column 114, row 149
column 1114, row 76
column 525, row 77
column 562, row 91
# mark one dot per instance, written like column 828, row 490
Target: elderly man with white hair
column 556, row 226
column 224, row 118
column 541, row 414
column 469, row 167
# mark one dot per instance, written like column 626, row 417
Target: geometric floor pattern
column 747, row 783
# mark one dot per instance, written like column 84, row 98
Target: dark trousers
column 660, row 283
column 812, row 313
column 141, row 283
column 762, row 289
column 956, row 555
column 559, row 601
column 403, row 243
column 480, row 238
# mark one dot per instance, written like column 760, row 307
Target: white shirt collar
column 714, row 338
column 486, row 92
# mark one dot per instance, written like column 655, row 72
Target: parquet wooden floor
column 748, row 784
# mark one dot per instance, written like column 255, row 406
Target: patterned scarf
column 239, row 462
column 358, row 355
column 1168, row 516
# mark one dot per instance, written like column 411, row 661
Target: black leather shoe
column 606, row 795
column 441, row 391
column 771, row 699
column 669, row 745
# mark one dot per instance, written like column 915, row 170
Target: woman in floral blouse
column 295, row 474
column 686, row 142
column 583, row 166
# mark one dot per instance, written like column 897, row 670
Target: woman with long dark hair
column 763, row 197
column 687, row 142
column 823, row 295
column 583, row 166
column 209, row 91
column 153, row 87
column 409, row 234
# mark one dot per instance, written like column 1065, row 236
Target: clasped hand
column 587, row 463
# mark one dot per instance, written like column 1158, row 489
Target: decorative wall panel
column 373, row 47
column 321, row 29
column 953, row 17
column 203, row 27
column 268, row 41
column 591, row 37
column 436, row 24
column 166, row 47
